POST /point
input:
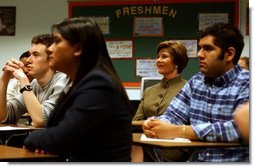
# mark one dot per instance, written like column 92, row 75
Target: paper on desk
column 5, row 128
column 184, row 140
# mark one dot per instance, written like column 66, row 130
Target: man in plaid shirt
column 203, row 108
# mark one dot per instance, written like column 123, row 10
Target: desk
column 137, row 123
column 193, row 144
column 14, row 154
column 137, row 126
column 17, row 130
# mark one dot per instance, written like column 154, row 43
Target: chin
column 51, row 65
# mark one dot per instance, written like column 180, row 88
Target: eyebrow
column 35, row 52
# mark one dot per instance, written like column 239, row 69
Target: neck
column 45, row 78
column 171, row 75
column 223, row 72
column 72, row 71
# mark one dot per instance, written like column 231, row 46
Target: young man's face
column 212, row 62
column 37, row 61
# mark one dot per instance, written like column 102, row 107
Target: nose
column 158, row 59
column 200, row 54
column 50, row 49
column 28, row 60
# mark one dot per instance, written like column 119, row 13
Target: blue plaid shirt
column 207, row 105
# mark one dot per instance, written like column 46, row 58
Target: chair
column 147, row 82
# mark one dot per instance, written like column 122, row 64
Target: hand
column 11, row 67
column 147, row 129
column 36, row 150
column 156, row 128
column 241, row 117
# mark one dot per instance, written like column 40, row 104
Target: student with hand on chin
column 37, row 97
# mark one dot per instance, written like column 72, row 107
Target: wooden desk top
column 193, row 144
column 8, row 153
column 137, row 126
column 137, row 123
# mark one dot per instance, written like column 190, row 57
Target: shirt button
column 160, row 95
column 156, row 105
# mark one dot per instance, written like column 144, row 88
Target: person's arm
column 3, row 88
column 242, row 117
column 82, row 118
column 139, row 115
column 156, row 128
column 7, row 74
column 222, row 128
column 32, row 104
column 40, row 111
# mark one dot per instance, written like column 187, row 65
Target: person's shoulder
column 243, row 76
column 98, row 77
column 60, row 75
column 245, row 73
column 154, row 87
column 60, row 78
column 197, row 77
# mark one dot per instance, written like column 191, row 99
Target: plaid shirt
column 207, row 105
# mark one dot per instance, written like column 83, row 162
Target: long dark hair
column 86, row 33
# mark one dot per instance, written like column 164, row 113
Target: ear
column 77, row 50
column 230, row 54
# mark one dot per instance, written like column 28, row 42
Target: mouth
column 202, row 64
column 28, row 68
column 159, row 66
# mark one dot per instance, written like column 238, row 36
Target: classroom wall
column 32, row 17
column 37, row 16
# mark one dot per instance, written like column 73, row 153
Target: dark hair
column 25, row 54
column 45, row 39
column 225, row 36
column 86, row 33
column 177, row 51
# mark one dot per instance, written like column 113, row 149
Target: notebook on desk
column 184, row 140
column 8, row 128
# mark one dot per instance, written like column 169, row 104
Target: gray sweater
column 47, row 96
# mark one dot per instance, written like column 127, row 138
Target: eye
column 36, row 54
column 208, row 48
column 56, row 40
column 164, row 56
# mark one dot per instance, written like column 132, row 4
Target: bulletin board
column 136, row 27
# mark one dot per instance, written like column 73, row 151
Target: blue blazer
column 91, row 124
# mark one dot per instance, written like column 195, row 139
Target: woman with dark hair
column 93, row 119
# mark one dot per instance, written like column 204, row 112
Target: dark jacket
column 91, row 124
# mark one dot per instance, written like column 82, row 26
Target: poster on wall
column 120, row 48
column 7, row 20
column 191, row 46
column 148, row 26
column 146, row 68
column 208, row 19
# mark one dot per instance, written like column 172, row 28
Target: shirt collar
column 224, row 79
column 166, row 82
